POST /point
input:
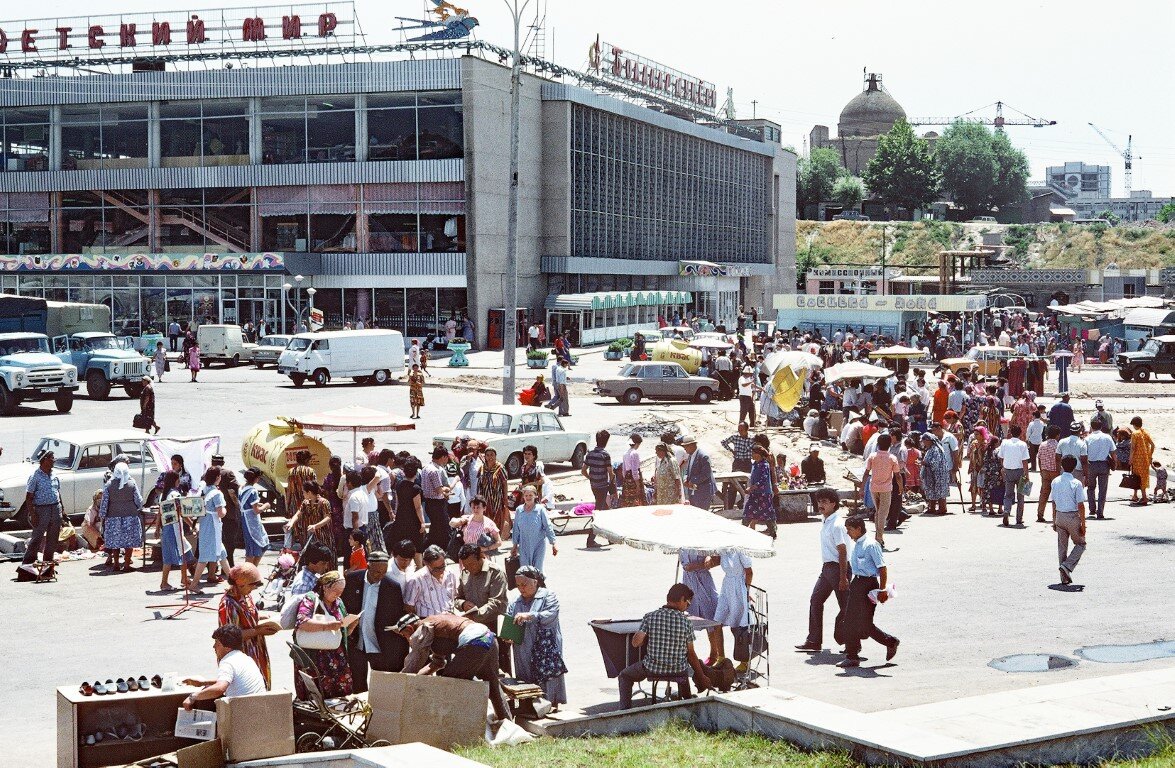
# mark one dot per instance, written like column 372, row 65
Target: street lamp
column 286, row 288
column 510, row 328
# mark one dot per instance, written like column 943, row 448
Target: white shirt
column 832, row 533
column 533, row 331
column 429, row 596
column 367, row 620
column 241, row 674
column 1014, row 452
column 745, row 384
column 413, row 355
column 1035, row 432
column 356, row 503
column 398, row 576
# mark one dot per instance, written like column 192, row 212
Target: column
column 360, row 127
column 153, row 149
column 55, row 138
column 255, row 131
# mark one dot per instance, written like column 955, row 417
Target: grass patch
column 677, row 745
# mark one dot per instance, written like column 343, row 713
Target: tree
column 981, row 170
column 903, row 173
column 1167, row 213
column 815, row 176
column 848, row 191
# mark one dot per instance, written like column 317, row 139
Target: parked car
column 984, row 360
column 81, row 460
column 850, row 216
column 103, row 362
column 29, row 373
column 1156, row 356
column 368, row 357
column 983, row 220
column 509, row 428
column 223, row 344
column 268, row 350
column 657, row 381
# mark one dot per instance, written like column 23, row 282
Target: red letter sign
column 196, row 31
column 253, row 30
column 160, row 33
column 291, row 27
column 326, row 24
column 63, row 38
column 28, row 41
column 126, row 36
column 95, row 37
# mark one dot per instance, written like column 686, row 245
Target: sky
column 1073, row 61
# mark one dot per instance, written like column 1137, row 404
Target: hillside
column 916, row 244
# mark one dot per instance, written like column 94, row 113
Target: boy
column 358, row 560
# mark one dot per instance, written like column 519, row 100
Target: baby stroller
column 333, row 724
column 272, row 596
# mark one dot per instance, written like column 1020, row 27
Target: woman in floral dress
column 321, row 611
column 666, row 477
column 493, row 486
column 415, row 391
column 759, row 506
column 991, row 478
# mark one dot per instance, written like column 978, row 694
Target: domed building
column 868, row 115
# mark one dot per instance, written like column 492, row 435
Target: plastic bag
column 509, row 734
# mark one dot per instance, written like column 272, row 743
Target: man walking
column 1050, row 468
column 1034, row 435
column 597, row 468
column 869, row 573
column 668, row 639
column 1099, row 447
column 43, row 502
column 1061, row 414
column 1013, row 454
column 698, row 475
column 1103, row 415
column 559, row 385
column 1074, row 446
column 834, row 574
column 173, row 334
column 1068, row 496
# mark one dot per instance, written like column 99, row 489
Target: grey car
column 657, row 381
column 268, row 350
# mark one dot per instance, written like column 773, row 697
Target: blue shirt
column 1067, row 492
column 1099, row 445
column 866, row 558
column 46, row 489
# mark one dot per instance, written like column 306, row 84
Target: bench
column 564, row 522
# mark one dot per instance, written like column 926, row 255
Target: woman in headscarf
column 972, row 405
column 976, row 450
column 119, row 509
column 1142, row 451
column 935, row 474
column 493, row 486
column 991, row 478
column 538, row 658
column 666, row 477
column 1024, row 410
column 237, row 608
column 334, row 673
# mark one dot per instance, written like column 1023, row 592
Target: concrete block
column 14, row 543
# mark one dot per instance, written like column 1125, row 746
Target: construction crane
column 999, row 121
column 1127, row 156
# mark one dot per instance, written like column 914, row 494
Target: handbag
column 456, row 541
column 1131, row 481
column 140, row 421
column 166, row 366
column 512, row 565
column 328, row 640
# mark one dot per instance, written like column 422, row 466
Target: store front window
column 24, row 223
column 25, row 140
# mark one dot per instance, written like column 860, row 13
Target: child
column 913, row 459
column 1160, row 492
column 358, row 561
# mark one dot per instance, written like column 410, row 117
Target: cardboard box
column 196, row 724
column 442, row 712
column 256, row 727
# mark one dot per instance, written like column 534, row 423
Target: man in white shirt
column 1034, row 435
column 432, row 589
column 236, row 673
column 403, row 555
column 532, row 335
column 1013, row 453
column 834, row 573
column 1074, row 446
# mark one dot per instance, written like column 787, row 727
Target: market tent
column 795, row 359
column 896, row 352
column 856, row 370
column 670, row 528
column 353, row 418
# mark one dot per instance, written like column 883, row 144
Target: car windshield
column 274, row 341
column 485, row 421
column 298, row 345
column 100, row 342
column 631, row 370
column 1151, row 347
column 16, row 346
column 973, row 353
column 63, row 452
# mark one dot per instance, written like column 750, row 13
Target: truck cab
column 1156, row 356
column 29, row 373
column 103, row 361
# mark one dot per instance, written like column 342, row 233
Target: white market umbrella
column 353, row 418
column 795, row 358
column 670, row 528
column 856, row 370
column 710, row 343
column 898, row 351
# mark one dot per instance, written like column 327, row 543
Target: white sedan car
column 509, row 428
column 81, row 460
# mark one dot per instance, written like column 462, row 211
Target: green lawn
column 679, row 746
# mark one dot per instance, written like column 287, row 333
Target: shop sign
column 701, row 269
column 205, row 30
column 611, row 62
column 842, row 301
column 144, row 262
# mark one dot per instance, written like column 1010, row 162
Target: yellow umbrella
column 788, row 388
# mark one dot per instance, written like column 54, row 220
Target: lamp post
column 510, row 327
column 286, row 288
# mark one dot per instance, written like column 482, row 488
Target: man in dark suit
column 379, row 598
column 699, row 475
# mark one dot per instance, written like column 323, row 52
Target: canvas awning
column 855, row 370
column 579, row 302
column 670, row 528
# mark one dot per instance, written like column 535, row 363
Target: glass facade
column 415, row 126
column 25, row 141
column 318, row 129
column 643, row 192
column 194, row 133
column 103, row 136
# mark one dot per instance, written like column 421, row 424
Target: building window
column 104, row 221
column 827, row 287
column 193, row 133
column 25, row 139
column 1128, row 290
column 415, row 126
column 24, row 223
column 320, row 129
column 200, row 221
column 104, row 137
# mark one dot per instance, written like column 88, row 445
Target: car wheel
column 1142, row 374
column 64, row 401
column 97, row 387
column 298, row 378
column 514, row 465
column 235, row 361
column 577, row 457
column 8, row 401
column 321, row 377
column 704, row 395
column 632, row 397
column 258, row 366
column 381, row 377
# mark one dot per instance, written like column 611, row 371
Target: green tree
column 1167, row 213
column 981, row 170
column 848, row 191
column 816, row 175
column 903, row 173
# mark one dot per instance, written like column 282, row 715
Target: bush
column 537, row 354
column 620, row 345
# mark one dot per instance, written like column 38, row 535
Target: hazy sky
column 1073, row 61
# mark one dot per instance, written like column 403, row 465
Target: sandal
column 86, row 689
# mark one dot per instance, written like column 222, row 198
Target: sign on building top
column 215, row 30
column 611, row 62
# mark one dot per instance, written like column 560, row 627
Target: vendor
column 668, row 639
column 236, row 673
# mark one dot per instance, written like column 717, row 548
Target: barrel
column 678, row 351
column 272, row 445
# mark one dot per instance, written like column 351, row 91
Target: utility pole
column 510, row 327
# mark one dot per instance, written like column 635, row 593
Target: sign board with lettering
column 840, row 302
column 159, row 33
column 611, row 62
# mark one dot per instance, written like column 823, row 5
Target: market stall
column 596, row 318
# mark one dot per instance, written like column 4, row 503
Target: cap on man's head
column 814, row 448
column 688, row 439
column 405, row 621
column 217, row 460
column 377, row 556
column 1075, row 428
column 1098, row 404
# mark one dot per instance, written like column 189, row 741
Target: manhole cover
column 1032, row 662
column 1121, row 654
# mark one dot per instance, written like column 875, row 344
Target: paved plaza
column 968, row 591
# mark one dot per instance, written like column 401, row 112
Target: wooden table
column 733, row 490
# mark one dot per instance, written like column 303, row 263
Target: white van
column 368, row 357
column 223, row 344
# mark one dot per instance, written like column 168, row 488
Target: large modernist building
column 384, row 184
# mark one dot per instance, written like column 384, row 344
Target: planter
column 538, row 363
column 610, row 355
column 458, row 360
column 793, row 506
